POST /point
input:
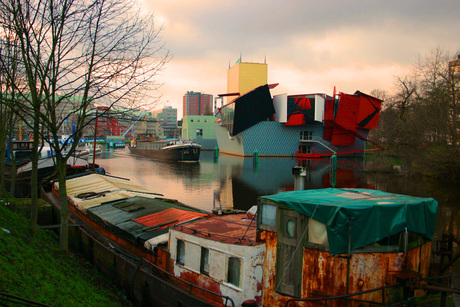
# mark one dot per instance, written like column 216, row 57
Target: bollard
column 334, row 162
column 256, row 156
column 216, row 152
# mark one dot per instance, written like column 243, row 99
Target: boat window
column 204, row 262
column 317, row 233
column 268, row 216
column 233, row 272
column 180, row 253
column 290, row 228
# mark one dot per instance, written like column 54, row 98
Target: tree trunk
column 34, row 181
column 61, row 166
column 2, row 160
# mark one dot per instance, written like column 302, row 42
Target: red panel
column 303, row 102
column 295, row 120
column 347, row 117
column 168, row 217
column 328, row 116
column 369, row 111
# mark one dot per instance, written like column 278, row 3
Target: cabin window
column 317, row 234
column 204, row 262
column 290, row 228
column 268, row 216
column 233, row 272
column 199, row 132
column 180, row 253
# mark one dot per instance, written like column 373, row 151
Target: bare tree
column 11, row 77
column 79, row 54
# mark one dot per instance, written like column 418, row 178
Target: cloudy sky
column 310, row 46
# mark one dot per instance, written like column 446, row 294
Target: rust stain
column 167, row 217
column 327, row 275
column 231, row 229
column 203, row 282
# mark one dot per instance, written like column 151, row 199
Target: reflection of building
column 196, row 103
column 200, row 129
column 313, row 125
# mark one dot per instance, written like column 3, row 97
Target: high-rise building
column 197, row 103
column 244, row 77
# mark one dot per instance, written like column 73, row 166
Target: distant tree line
column 58, row 60
column 419, row 122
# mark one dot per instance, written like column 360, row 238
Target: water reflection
column 230, row 182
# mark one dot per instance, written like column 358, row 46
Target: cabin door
column 289, row 253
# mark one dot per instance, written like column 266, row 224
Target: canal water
column 234, row 182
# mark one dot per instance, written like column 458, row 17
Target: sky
column 310, row 46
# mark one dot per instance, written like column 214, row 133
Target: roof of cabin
column 230, row 229
column 374, row 215
column 129, row 211
column 140, row 217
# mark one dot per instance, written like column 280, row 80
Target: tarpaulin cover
column 374, row 215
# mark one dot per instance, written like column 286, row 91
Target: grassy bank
column 34, row 268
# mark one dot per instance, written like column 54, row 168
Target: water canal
column 235, row 182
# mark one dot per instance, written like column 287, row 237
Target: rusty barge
column 301, row 248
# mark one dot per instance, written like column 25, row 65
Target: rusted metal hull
column 325, row 275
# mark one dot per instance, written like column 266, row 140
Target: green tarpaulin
column 374, row 215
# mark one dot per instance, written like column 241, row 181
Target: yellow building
column 244, row 77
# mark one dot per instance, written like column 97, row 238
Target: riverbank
column 437, row 163
column 33, row 267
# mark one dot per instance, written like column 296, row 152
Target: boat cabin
column 335, row 242
column 311, row 245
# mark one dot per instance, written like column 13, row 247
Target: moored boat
column 167, row 150
column 302, row 248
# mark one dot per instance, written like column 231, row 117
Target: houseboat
column 175, row 150
column 300, row 248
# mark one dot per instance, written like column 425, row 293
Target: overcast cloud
column 310, row 46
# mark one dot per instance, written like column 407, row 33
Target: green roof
column 374, row 214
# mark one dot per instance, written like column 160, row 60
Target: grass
column 33, row 267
